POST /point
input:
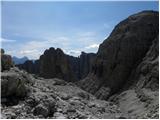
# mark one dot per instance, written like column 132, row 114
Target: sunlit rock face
column 122, row 52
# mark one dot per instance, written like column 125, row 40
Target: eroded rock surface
column 54, row 63
column 122, row 52
column 76, row 67
column 138, row 104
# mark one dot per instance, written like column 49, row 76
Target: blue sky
column 28, row 28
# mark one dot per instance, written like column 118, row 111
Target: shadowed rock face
column 54, row 63
column 146, row 75
column 30, row 66
column 86, row 61
column 6, row 61
column 82, row 65
column 121, row 53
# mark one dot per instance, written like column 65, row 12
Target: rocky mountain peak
column 122, row 52
column 54, row 63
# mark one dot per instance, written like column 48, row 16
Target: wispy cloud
column 28, row 51
column 71, row 44
column 73, row 52
column 7, row 40
column 34, row 48
column 92, row 46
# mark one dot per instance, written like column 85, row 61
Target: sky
column 29, row 28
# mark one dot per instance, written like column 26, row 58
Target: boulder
column 83, row 95
column 58, row 115
column 59, row 82
column 14, row 85
column 46, row 107
column 41, row 110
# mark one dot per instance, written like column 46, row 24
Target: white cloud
column 33, row 49
column 73, row 52
column 7, row 40
column 92, row 46
column 27, row 51
column 32, row 54
column 72, row 45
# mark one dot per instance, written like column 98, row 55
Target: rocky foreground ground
column 56, row 99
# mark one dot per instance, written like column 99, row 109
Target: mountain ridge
column 18, row 60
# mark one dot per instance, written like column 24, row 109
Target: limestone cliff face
column 54, row 63
column 122, row 53
column 146, row 75
column 86, row 61
column 82, row 65
column 30, row 66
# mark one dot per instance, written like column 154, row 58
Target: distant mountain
column 17, row 60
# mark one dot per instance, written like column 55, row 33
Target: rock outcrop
column 125, row 54
column 6, row 61
column 54, row 63
column 86, row 61
column 146, row 75
column 74, row 63
column 30, row 66
column 82, row 65
column 14, row 86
